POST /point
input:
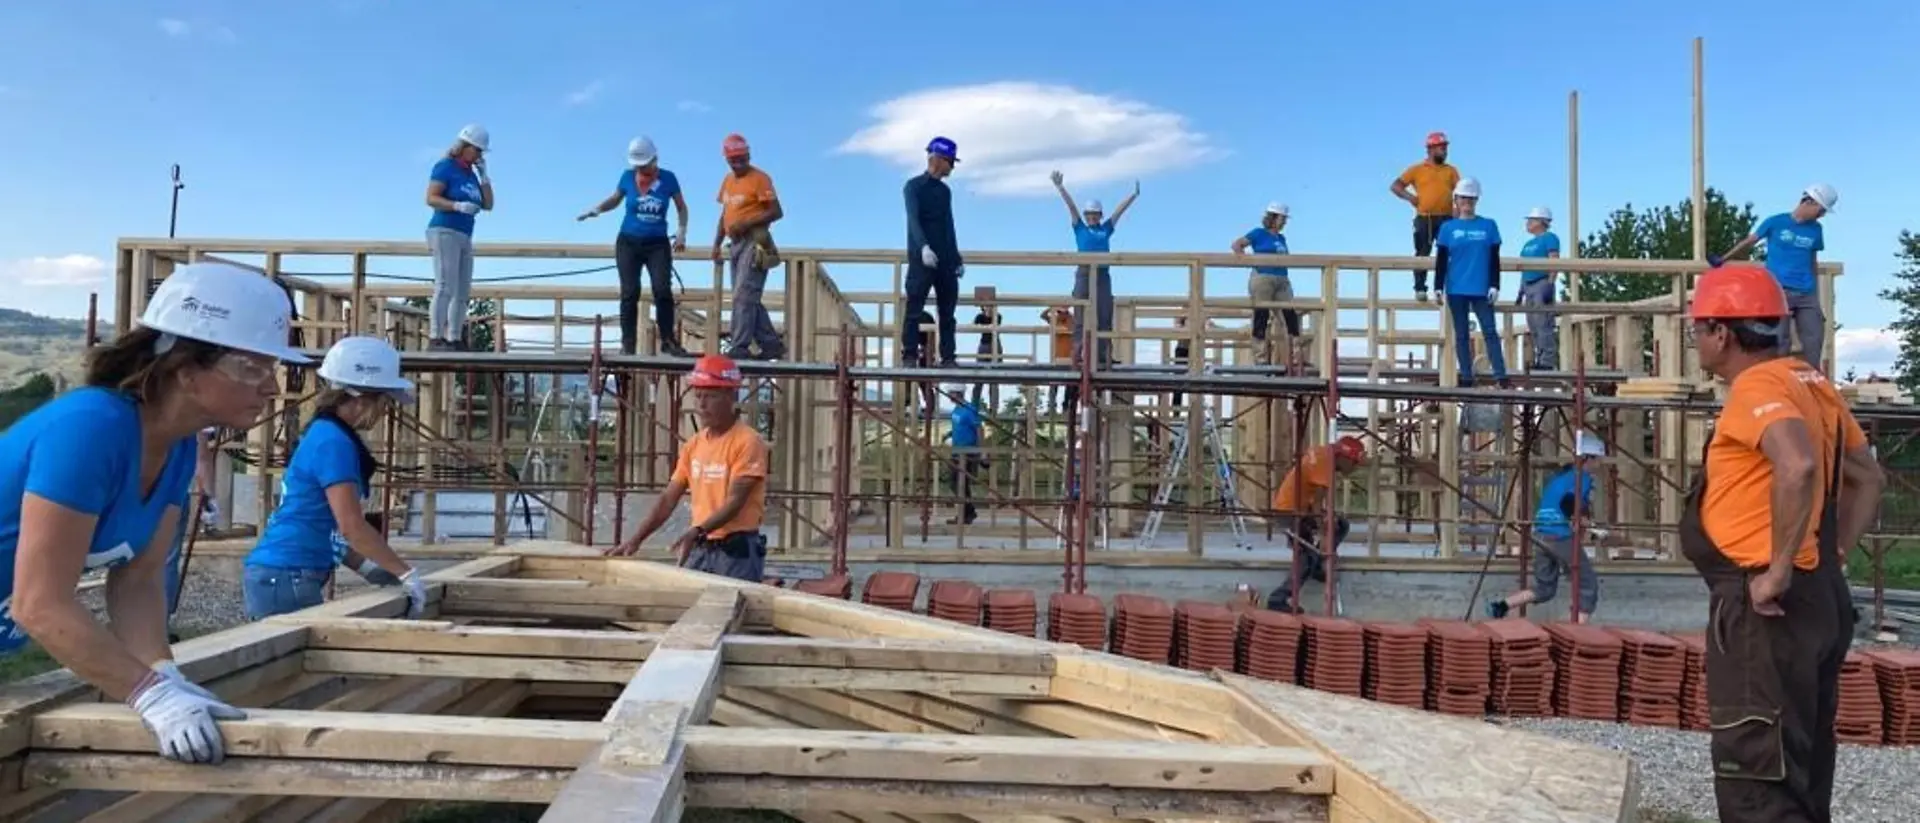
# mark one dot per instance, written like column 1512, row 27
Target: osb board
column 1449, row 769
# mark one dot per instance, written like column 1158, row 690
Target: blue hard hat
column 945, row 148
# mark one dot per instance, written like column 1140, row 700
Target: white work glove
column 1598, row 533
column 480, row 170
column 1493, row 295
column 182, row 721
column 416, row 593
column 171, row 671
column 467, row 207
column 928, row 258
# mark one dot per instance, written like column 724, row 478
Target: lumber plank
column 807, row 677
column 266, row 776
column 1441, row 768
column 976, row 799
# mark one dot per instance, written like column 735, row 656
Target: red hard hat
column 733, row 146
column 1436, row 138
column 1350, row 448
column 1737, row 292
column 716, row 371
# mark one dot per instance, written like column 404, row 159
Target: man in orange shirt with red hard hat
column 725, row 468
column 1787, row 484
column 1432, row 181
column 1297, row 501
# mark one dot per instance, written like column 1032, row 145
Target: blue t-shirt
column 1261, row 241
column 1469, row 243
column 461, row 186
column 1539, row 245
column 82, row 450
column 302, row 533
column 1548, row 519
column 966, row 426
column 646, row 214
column 1094, row 238
column 1790, row 248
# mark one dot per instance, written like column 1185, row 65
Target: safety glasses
column 245, row 369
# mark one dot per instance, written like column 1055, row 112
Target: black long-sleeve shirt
column 1440, row 268
column 930, row 221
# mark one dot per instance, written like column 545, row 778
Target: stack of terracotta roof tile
column 1142, row 628
column 1336, row 654
column 1588, row 659
column 833, row 585
column 1898, row 673
column 1861, row 718
column 1459, row 667
column 1012, row 611
column 1270, row 645
column 1204, row 635
column 1693, row 686
column 1522, row 668
column 1653, row 667
column 955, row 600
column 1396, row 664
column 1079, row 619
column 893, row 590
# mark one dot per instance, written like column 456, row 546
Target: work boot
column 1420, row 295
column 672, row 348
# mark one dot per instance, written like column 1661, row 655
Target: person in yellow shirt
column 1060, row 320
column 1787, row 484
column 724, row 467
column 1432, row 181
column 1297, row 503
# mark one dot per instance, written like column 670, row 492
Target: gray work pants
column 1542, row 326
column 1103, row 306
column 1808, row 322
column 751, row 322
column 1552, row 557
column 452, row 283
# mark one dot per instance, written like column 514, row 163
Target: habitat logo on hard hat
column 204, row 310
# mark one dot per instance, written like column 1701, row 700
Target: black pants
column 1425, row 228
column 656, row 253
column 964, row 470
column 1308, row 556
column 1180, row 353
column 945, row 285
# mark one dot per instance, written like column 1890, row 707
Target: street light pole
column 173, row 215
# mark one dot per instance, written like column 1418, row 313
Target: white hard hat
column 1588, row 444
column 1467, row 187
column 953, row 389
column 365, row 363
column 1540, row 213
column 641, row 152
column 1823, row 194
column 224, row 305
column 475, row 135
column 1093, row 206
column 1277, row 207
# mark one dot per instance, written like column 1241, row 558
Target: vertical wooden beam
column 1699, row 153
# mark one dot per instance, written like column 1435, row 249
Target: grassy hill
column 31, row 344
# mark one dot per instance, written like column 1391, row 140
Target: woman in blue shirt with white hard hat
column 321, row 515
column 457, row 189
column 99, row 477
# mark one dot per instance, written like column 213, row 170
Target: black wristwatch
column 700, row 532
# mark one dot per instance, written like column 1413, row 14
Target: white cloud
column 1011, row 135
column 181, row 29
column 1867, row 351
column 56, row 272
column 585, row 94
column 693, row 107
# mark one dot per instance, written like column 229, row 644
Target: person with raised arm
column 1093, row 234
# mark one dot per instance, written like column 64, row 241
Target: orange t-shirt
column 745, row 197
column 1062, row 321
column 1432, row 186
column 709, row 464
column 1737, row 511
column 1305, row 482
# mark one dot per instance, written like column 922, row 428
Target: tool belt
column 766, row 255
column 738, row 544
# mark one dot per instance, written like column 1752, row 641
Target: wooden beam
column 443, row 637
column 1014, row 800
column 323, row 661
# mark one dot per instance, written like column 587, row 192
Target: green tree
column 18, row 401
column 1906, row 295
column 1657, row 233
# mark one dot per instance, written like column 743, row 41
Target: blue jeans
column 1458, row 306
column 272, row 590
column 748, row 561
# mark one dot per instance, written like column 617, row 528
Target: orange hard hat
column 733, row 146
column 1350, row 448
column 1737, row 292
column 716, row 371
column 1436, row 138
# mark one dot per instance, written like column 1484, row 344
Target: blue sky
column 318, row 119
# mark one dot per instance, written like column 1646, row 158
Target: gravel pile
column 210, row 603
